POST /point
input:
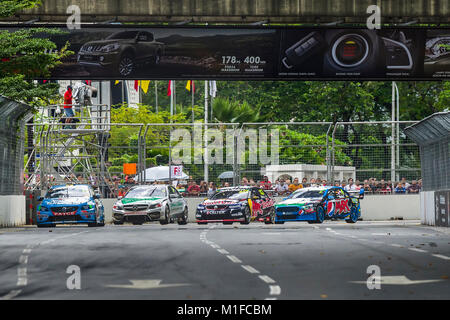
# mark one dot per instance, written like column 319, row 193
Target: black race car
column 237, row 204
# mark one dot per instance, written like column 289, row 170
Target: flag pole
column 171, row 99
column 156, row 96
column 192, row 97
column 205, row 154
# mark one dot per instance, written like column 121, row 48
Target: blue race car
column 316, row 204
column 70, row 204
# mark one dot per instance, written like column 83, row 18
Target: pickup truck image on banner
column 246, row 53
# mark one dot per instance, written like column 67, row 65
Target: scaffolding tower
column 70, row 152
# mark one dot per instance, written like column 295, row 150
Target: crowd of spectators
column 118, row 186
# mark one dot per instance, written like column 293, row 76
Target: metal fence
column 251, row 151
column 433, row 136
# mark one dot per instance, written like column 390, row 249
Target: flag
column 144, row 85
column 169, row 88
column 136, row 85
column 212, row 88
column 117, row 82
column 190, row 84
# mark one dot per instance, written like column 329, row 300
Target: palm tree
column 235, row 112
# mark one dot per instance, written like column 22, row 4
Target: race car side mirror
column 40, row 198
column 361, row 194
column 119, row 197
column 97, row 196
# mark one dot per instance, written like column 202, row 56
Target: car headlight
column 154, row 206
column 118, row 206
column 201, row 207
column 43, row 208
column 87, row 207
column 110, row 47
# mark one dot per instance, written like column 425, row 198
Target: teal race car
column 317, row 204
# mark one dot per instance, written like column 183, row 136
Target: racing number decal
column 337, row 207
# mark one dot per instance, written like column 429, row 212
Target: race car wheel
column 166, row 217
column 353, row 215
column 320, row 214
column 271, row 217
column 117, row 223
column 279, row 222
column 246, row 216
column 93, row 224
column 184, row 219
column 227, row 222
column 202, row 222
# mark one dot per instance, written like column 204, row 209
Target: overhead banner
column 133, row 52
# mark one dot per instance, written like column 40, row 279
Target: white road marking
column 399, row 280
column 23, row 259
column 441, row 256
column 250, row 269
column 417, row 250
column 267, row 279
column 234, row 259
column 328, row 229
column 146, row 284
column 11, row 295
column 275, row 290
column 396, row 245
column 26, row 251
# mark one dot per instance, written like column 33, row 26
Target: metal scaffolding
column 73, row 151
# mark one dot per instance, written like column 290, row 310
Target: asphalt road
column 256, row 261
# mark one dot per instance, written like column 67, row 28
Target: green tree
column 25, row 55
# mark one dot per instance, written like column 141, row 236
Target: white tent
column 160, row 173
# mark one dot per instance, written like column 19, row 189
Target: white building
column 308, row 171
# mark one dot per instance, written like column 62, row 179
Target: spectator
column 400, row 188
column 212, row 189
column 281, row 187
column 295, row 185
column 312, row 182
column 203, row 188
column 244, row 181
column 226, row 185
column 366, row 186
column 337, row 184
column 343, row 184
column 193, row 189
column 413, row 187
column 304, row 181
column 403, row 181
column 350, row 186
column 324, row 183
column 265, row 183
column 68, row 103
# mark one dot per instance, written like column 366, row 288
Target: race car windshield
column 231, row 194
column 146, row 193
column 123, row 35
column 68, row 192
column 309, row 194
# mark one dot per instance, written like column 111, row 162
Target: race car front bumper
column 229, row 215
column 129, row 216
